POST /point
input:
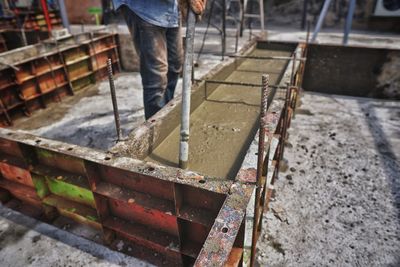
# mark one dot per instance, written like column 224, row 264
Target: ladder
column 248, row 14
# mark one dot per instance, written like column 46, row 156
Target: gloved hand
column 197, row 6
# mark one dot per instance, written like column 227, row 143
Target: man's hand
column 198, row 7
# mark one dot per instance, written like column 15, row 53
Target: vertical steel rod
column 292, row 76
column 349, row 21
column 223, row 33
column 321, row 19
column 114, row 99
column 241, row 14
column 186, row 87
column 304, row 17
column 261, row 6
column 260, row 164
column 308, row 32
column 285, row 120
column 64, row 15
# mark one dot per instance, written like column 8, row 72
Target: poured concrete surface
column 223, row 126
column 338, row 204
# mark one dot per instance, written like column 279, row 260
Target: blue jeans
column 160, row 52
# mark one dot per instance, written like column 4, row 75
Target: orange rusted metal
column 60, row 70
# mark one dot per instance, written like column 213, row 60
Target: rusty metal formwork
column 34, row 76
column 16, row 38
column 162, row 214
column 31, row 20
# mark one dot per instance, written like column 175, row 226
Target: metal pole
column 292, row 76
column 186, row 88
column 223, row 29
column 321, row 19
column 308, row 32
column 349, row 21
column 114, row 99
column 260, row 164
column 304, row 17
column 206, row 31
column 241, row 14
column 64, row 15
column 261, row 5
column 46, row 15
column 285, row 120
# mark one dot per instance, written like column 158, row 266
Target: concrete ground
column 343, row 208
column 338, row 204
column 25, row 241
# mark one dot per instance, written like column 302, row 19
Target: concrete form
column 221, row 199
column 163, row 214
column 33, row 76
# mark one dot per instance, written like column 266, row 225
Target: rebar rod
column 285, row 120
column 114, row 99
column 292, row 75
column 239, row 83
column 266, row 58
column 260, row 164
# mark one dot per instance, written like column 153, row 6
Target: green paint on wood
column 70, row 191
column 40, row 185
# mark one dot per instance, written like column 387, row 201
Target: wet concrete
column 223, row 126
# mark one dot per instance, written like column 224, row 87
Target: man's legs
column 175, row 60
column 151, row 44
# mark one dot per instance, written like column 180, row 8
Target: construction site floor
column 344, row 213
column 338, row 202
